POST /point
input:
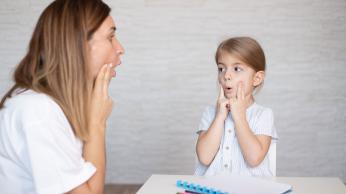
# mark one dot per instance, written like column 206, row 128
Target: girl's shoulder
column 210, row 109
column 257, row 110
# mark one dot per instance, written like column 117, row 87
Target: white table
column 165, row 184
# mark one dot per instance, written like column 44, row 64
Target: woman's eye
column 110, row 38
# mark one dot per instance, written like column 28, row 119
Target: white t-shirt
column 39, row 153
column 229, row 158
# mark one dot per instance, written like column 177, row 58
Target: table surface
column 156, row 184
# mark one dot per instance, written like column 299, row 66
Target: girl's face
column 104, row 48
column 232, row 71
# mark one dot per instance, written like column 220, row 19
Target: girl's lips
column 227, row 89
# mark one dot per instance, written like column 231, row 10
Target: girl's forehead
column 226, row 58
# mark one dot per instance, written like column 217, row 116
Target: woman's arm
column 94, row 147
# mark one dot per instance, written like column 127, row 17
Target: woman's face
column 104, row 48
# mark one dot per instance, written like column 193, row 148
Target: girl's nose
column 227, row 76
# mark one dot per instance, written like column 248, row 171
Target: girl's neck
column 250, row 101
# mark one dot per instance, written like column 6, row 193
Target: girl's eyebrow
column 221, row 64
column 236, row 63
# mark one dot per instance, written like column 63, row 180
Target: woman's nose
column 119, row 49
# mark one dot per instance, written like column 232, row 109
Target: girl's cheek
column 219, row 79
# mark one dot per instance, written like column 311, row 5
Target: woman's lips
column 113, row 72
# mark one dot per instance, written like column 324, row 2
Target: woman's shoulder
column 29, row 98
column 29, row 103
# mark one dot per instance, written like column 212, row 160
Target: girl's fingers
column 225, row 103
column 228, row 105
column 239, row 88
column 242, row 93
column 221, row 93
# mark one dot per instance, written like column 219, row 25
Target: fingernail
column 110, row 65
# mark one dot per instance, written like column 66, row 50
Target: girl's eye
column 237, row 69
column 220, row 69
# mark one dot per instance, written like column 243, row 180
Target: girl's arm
column 94, row 147
column 254, row 147
column 208, row 142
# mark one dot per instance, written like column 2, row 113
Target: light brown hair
column 246, row 49
column 56, row 62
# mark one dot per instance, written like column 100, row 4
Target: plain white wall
column 168, row 76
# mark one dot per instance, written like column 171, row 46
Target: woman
column 53, row 120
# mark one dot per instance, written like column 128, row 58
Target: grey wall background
column 168, row 76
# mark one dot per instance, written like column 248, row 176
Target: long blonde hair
column 56, row 61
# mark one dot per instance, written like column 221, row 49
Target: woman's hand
column 94, row 150
column 101, row 103
column 223, row 105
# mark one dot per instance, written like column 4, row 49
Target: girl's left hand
column 239, row 104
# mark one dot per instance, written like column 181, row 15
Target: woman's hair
column 245, row 49
column 56, row 62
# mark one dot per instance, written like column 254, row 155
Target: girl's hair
column 56, row 62
column 244, row 48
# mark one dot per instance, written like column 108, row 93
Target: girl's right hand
column 101, row 103
column 223, row 105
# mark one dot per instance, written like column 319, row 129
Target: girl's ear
column 258, row 78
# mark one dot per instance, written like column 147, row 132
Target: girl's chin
column 228, row 96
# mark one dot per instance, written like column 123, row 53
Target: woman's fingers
column 107, row 78
column 100, row 78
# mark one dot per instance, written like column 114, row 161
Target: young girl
column 234, row 137
column 53, row 120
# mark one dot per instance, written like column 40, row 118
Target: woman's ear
column 258, row 78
